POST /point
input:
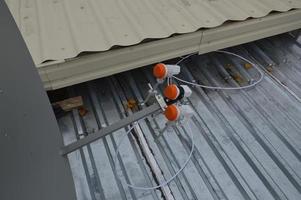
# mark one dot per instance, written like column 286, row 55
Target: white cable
column 163, row 183
column 225, row 88
column 184, row 58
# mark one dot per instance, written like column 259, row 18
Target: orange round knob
column 160, row 71
column 171, row 92
column 172, row 112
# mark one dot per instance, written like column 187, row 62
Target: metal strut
column 110, row 129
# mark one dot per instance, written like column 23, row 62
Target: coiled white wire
column 224, row 88
column 165, row 182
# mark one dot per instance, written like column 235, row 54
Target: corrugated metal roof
column 247, row 142
column 62, row 29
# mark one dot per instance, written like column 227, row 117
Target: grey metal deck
column 248, row 143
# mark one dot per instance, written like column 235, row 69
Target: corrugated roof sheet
column 62, row 29
column 247, row 142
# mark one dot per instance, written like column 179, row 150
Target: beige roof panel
column 56, row 30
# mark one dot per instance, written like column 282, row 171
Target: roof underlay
column 122, row 35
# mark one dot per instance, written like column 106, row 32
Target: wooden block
column 71, row 103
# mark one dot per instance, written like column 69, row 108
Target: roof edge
column 103, row 64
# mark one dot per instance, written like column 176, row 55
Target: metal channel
column 101, row 133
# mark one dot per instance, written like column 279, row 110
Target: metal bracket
column 161, row 101
column 151, row 92
column 167, row 127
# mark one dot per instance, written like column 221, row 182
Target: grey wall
column 30, row 166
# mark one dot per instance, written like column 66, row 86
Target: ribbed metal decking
column 248, row 143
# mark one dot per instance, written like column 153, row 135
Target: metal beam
column 110, row 129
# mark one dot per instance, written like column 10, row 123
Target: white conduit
column 224, row 88
column 165, row 182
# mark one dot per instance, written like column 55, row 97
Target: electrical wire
column 164, row 183
column 224, row 88
column 184, row 58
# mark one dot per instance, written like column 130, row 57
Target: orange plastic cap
column 172, row 113
column 160, row 71
column 171, row 92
